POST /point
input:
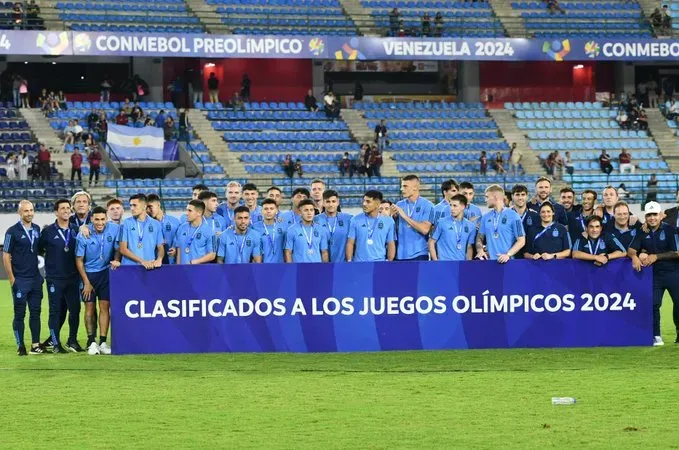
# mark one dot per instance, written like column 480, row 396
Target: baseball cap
column 652, row 208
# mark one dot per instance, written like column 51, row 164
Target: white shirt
column 328, row 99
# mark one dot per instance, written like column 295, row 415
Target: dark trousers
column 662, row 282
column 27, row 292
column 79, row 172
column 45, row 170
column 417, row 258
column 64, row 297
column 94, row 172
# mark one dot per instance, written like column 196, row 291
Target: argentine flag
column 136, row 143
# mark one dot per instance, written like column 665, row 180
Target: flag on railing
column 130, row 143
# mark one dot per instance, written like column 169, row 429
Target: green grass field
column 626, row 398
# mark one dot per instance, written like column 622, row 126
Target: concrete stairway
column 510, row 18
column 664, row 137
column 46, row 135
column 512, row 134
column 216, row 145
column 208, row 16
column 363, row 134
column 361, row 17
column 50, row 14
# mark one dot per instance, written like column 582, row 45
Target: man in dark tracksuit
column 658, row 248
column 58, row 244
column 20, row 258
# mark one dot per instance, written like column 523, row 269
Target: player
column 501, row 229
column 567, row 200
column 240, row 244
column 275, row 194
column 58, row 245
column 272, row 233
column 385, row 208
column 549, row 240
column 317, row 190
column 622, row 230
column 20, row 258
column 472, row 212
column 606, row 209
column 250, row 196
column 595, row 246
column 212, row 220
column 195, row 192
column 81, row 209
column 529, row 218
column 454, row 236
column 169, row 225
column 543, row 193
column 305, row 241
column 233, row 198
column 577, row 221
column 194, row 242
column 414, row 221
column 115, row 211
column 449, row 189
column 371, row 235
column 293, row 216
column 336, row 224
column 141, row 238
column 94, row 256
column 658, row 248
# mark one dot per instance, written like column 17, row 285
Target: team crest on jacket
column 662, row 235
column 529, row 221
column 340, row 223
column 199, row 235
column 555, row 233
column 109, row 239
column 168, row 227
column 504, row 220
column 150, row 228
column 248, row 242
column 380, row 225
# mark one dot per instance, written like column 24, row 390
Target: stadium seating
column 15, row 134
column 266, row 132
column 129, row 16
column 460, row 18
column 584, row 129
column 584, row 18
column 443, row 138
column 285, row 17
column 44, row 193
column 635, row 184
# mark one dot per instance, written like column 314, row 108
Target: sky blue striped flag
column 136, row 143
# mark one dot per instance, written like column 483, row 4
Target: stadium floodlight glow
column 578, row 67
column 25, row 62
column 209, row 65
column 82, row 77
column 54, row 62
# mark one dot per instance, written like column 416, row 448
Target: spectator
column 310, row 102
column 149, row 122
column 76, row 165
column 358, row 91
column 24, row 163
column 197, row 87
column 666, row 20
column 44, row 157
column 656, row 20
column 18, row 15
column 652, row 93
column 23, row 93
column 213, row 88
column 127, row 107
column 672, row 109
column 331, row 105
column 298, row 168
column 605, row 162
column 623, row 193
column 623, row 119
column 557, row 173
column 102, row 126
column 426, row 25
column 94, row 158
column 346, row 166
column 625, row 160
column 394, row 19
column 237, row 102
column 642, row 120
column 137, row 113
column 61, row 101
column 438, row 23
column 499, row 164
column 651, row 189
column 41, row 102
column 160, row 119
column 89, row 140
column 568, row 164
column 288, row 166
column 105, row 90
column 16, row 82
column 69, row 133
column 375, row 162
column 554, row 6
column 92, row 120
column 177, row 91
column 381, row 134
column 245, row 86
column 361, row 159
column 515, row 156
column 168, row 129
column 33, row 16
column 184, row 126
column 34, row 170
column 483, row 161
column 121, row 118
column 12, row 166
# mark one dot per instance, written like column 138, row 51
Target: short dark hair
column 330, row 193
column 541, row 179
column 411, row 177
column 139, row 196
column 548, row 205
column 152, row 198
column 518, row 188
column 249, row 187
column 114, row 201
column 375, row 195
column 98, row 210
column 269, row 201
column 306, row 202
column 595, row 219
column 199, row 205
column 317, row 180
column 389, row 202
column 448, row 185
column 206, row 195
column 567, row 189
column 59, row 202
column 590, row 191
column 200, row 187
column 460, row 198
column 301, row 190
column 241, row 209
column 274, row 188
column 466, row 185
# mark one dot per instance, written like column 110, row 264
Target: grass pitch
column 626, row 398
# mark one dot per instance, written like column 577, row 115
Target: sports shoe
column 93, row 349
column 74, row 347
column 58, row 349
column 21, row 351
column 39, row 350
column 657, row 341
column 48, row 342
column 104, row 348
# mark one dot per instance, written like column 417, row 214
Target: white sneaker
column 657, row 341
column 93, row 349
column 104, row 348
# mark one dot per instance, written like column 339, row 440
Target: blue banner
column 379, row 306
column 56, row 43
